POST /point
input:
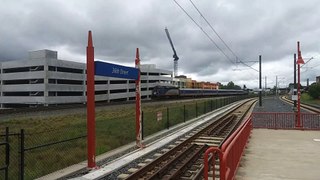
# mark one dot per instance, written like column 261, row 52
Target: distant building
column 189, row 83
column 43, row 79
column 185, row 82
column 181, row 81
column 318, row 79
column 208, row 85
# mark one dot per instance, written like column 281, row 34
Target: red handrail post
column 91, row 144
column 212, row 150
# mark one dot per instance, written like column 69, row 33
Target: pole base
column 93, row 168
column 140, row 145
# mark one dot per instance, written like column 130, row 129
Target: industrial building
column 44, row 80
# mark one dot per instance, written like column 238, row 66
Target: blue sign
column 114, row 70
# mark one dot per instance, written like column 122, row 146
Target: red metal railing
column 230, row 152
column 310, row 121
column 233, row 151
column 285, row 120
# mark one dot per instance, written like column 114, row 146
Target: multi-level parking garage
column 43, row 79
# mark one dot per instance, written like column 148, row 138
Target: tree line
column 231, row 85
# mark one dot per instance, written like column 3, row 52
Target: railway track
column 305, row 106
column 183, row 158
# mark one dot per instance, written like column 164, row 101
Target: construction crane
column 175, row 56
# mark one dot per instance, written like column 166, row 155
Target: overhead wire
column 237, row 58
column 213, row 28
column 306, row 62
column 248, row 66
column 204, row 32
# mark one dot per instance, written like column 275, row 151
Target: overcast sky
column 250, row 28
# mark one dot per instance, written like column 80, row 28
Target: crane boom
column 175, row 56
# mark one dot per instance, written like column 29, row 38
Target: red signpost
column 138, row 103
column 91, row 144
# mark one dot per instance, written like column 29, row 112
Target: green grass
column 114, row 128
column 305, row 98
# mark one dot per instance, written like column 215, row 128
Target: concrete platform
column 281, row 154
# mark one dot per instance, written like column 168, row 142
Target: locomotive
column 162, row 92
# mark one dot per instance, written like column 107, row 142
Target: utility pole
column 265, row 85
column 260, row 85
column 276, row 85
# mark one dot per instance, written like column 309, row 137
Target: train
column 165, row 91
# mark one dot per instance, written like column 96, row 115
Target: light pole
column 295, row 82
column 260, row 86
column 299, row 61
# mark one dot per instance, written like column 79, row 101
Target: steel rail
column 223, row 124
column 311, row 108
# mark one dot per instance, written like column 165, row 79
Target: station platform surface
column 281, row 154
column 274, row 104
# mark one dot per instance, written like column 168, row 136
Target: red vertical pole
column 299, row 93
column 90, row 104
column 138, row 102
column 299, row 61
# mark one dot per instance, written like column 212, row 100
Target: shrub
column 314, row 90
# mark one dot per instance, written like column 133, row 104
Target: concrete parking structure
column 44, row 80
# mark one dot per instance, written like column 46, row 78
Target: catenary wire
column 213, row 29
column 220, row 36
column 204, row 32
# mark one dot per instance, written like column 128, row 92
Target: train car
column 160, row 92
column 184, row 92
column 230, row 92
column 210, row 92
